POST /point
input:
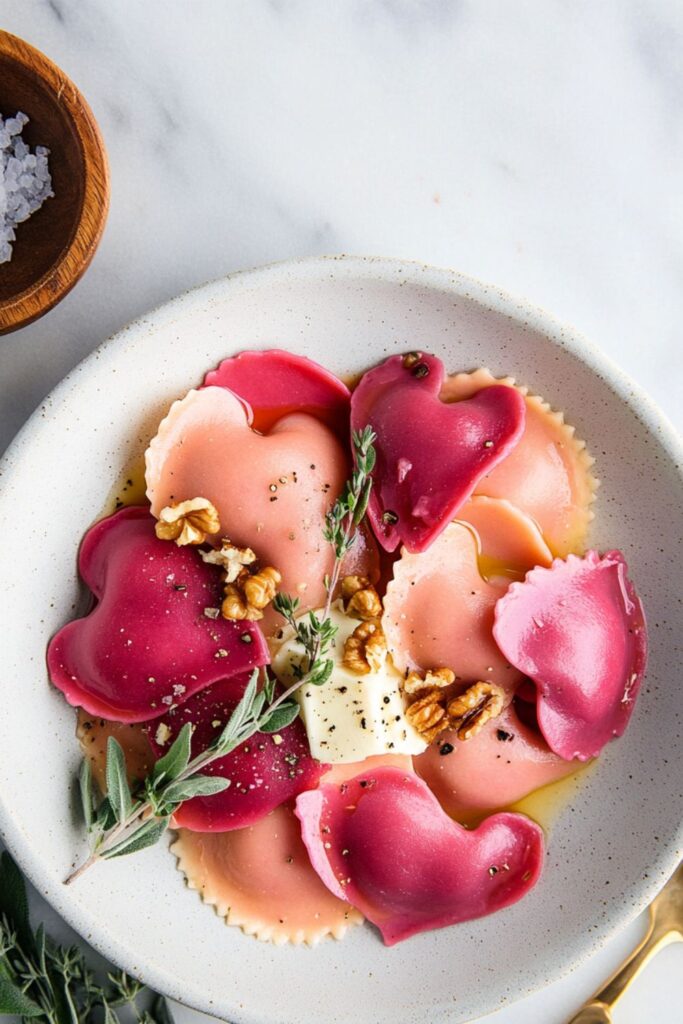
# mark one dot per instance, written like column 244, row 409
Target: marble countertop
column 537, row 145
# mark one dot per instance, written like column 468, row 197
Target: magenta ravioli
column 147, row 644
column 578, row 631
column 274, row 382
column 382, row 842
column 263, row 772
column 430, row 455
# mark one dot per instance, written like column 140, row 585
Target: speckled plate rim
column 392, row 271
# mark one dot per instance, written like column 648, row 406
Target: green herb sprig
column 316, row 633
column 51, row 984
column 126, row 821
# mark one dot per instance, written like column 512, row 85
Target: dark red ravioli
column 578, row 631
column 264, row 772
column 430, row 455
column 147, row 644
column 382, row 842
column 274, row 383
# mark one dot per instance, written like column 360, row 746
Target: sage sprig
column 51, row 984
column 125, row 821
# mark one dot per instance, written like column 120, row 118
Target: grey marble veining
column 537, row 145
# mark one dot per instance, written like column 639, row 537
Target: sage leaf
column 147, row 835
column 280, row 718
column 239, row 716
column 198, row 785
column 105, row 817
column 13, row 901
column 321, row 673
column 362, row 506
column 14, row 1001
column 85, row 786
column 160, row 1012
column 176, row 759
column 118, row 791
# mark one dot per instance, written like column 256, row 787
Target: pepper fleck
column 503, row 735
column 389, row 518
column 446, row 748
column 420, row 371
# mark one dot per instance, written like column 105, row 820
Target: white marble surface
column 538, row 145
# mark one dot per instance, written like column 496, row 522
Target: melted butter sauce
column 129, row 489
column 543, row 805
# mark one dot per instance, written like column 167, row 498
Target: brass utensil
column 665, row 927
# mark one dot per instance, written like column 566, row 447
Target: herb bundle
column 127, row 821
column 51, row 984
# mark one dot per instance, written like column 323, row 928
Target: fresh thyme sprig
column 51, row 984
column 316, row 633
column 126, row 821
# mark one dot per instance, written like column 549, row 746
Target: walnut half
column 187, row 522
column 365, row 650
column 361, row 600
column 473, row 708
column 428, row 715
column 433, row 679
column 248, row 595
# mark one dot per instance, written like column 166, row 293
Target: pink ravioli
column 578, row 631
column 500, row 765
column 147, row 644
column 260, row 879
column 264, row 772
column 430, row 456
column 438, row 612
column 382, row 842
column 510, row 542
column 271, row 491
column 275, row 383
column 547, row 474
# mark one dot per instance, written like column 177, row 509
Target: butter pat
column 350, row 717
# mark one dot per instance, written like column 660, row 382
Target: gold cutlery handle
column 597, row 1011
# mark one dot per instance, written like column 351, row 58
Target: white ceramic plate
column 609, row 851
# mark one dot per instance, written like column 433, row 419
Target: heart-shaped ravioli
column 578, row 631
column 430, row 455
column 547, row 474
column 147, row 644
column 271, row 490
column 263, row 772
column 438, row 612
column 382, row 842
column 500, row 765
column 260, row 879
column 275, row 383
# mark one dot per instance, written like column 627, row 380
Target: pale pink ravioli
column 578, row 631
column 547, row 474
column 438, row 611
column 260, row 879
column 271, row 490
column 510, row 543
column 382, row 842
column 430, row 455
column 495, row 768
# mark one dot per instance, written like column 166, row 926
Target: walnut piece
column 248, row 595
column 428, row 715
column 437, row 678
column 366, row 649
column 473, row 708
column 187, row 522
column 361, row 600
column 230, row 558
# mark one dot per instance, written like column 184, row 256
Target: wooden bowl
column 55, row 246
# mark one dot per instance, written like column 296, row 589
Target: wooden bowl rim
column 56, row 282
